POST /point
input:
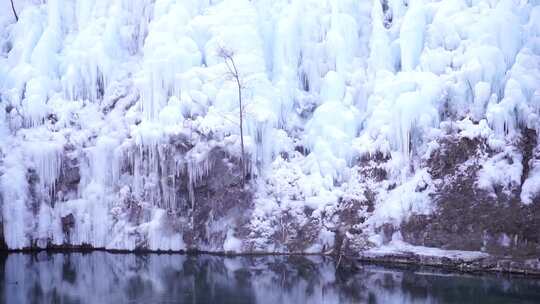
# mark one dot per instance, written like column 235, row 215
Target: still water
column 100, row 277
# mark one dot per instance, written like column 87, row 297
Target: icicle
column 412, row 37
column 47, row 159
column 102, row 160
column 380, row 57
column 16, row 218
column 35, row 104
column 261, row 134
column 198, row 167
column 167, row 53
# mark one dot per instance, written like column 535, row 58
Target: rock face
column 365, row 123
column 213, row 211
column 221, row 205
column 469, row 217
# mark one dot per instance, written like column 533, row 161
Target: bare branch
column 224, row 52
column 14, row 11
column 230, row 69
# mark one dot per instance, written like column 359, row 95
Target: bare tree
column 14, row 12
column 228, row 57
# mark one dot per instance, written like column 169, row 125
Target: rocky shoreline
column 490, row 264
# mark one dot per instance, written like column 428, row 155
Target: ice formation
column 110, row 106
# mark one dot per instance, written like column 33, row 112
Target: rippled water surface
column 101, row 277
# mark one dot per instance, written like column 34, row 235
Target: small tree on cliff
column 232, row 71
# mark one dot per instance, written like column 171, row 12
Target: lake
column 102, row 277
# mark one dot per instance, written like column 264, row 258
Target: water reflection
column 100, row 277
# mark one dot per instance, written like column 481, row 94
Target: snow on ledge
column 398, row 247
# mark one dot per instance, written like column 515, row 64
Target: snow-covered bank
column 400, row 253
column 119, row 126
